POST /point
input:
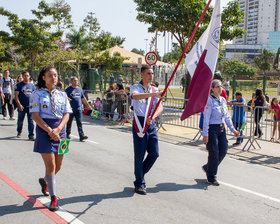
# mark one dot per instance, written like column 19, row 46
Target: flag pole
column 181, row 58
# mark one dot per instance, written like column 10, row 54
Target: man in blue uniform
column 144, row 98
column 23, row 92
column 76, row 97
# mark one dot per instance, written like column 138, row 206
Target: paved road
column 95, row 184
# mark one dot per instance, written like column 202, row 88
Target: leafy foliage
column 235, row 67
column 138, row 51
column 179, row 17
column 264, row 62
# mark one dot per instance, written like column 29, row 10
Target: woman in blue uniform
column 50, row 110
column 214, row 133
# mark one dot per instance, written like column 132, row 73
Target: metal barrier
column 116, row 106
column 113, row 106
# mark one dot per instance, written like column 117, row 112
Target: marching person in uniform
column 50, row 110
column 23, row 92
column 144, row 99
column 214, row 132
column 76, row 97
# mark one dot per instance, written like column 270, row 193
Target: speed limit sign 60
column 151, row 58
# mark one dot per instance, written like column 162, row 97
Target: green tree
column 264, row 61
column 31, row 37
column 138, row 51
column 60, row 11
column 174, row 55
column 233, row 68
column 180, row 18
column 276, row 60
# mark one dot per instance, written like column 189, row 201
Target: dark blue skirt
column 43, row 143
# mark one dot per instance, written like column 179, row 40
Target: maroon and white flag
column 201, row 64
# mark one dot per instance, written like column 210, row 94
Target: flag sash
column 140, row 130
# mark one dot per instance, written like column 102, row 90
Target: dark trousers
column 258, row 117
column 148, row 143
column 21, row 116
column 237, row 126
column 8, row 102
column 217, row 147
column 78, row 117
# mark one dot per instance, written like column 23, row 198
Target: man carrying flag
column 144, row 98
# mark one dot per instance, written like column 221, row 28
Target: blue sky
column 115, row 16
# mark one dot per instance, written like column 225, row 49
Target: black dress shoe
column 214, row 183
column 31, row 138
column 83, row 138
column 140, row 190
column 68, row 137
column 236, row 143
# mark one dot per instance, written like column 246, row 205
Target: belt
column 219, row 125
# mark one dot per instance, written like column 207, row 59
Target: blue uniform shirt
column 216, row 113
column 75, row 96
column 139, row 106
column 40, row 101
column 238, row 111
column 25, row 91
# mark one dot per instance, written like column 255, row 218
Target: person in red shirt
column 275, row 108
column 224, row 94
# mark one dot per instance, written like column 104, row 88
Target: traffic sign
column 151, row 58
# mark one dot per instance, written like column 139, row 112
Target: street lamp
column 146, row 45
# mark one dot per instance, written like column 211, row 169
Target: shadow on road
column 25, row 207
column 201, row 184
column 96, row 199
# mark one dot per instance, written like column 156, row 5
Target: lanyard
column 52, row 98
column 220, row 103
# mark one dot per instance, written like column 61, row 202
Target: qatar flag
column 201, row 63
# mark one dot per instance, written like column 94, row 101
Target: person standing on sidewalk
column 7, row 84
column 50, row 110
column 23, row 93
column 76, row 96
column 239, row 115
column 144, row 98
column 214, row 132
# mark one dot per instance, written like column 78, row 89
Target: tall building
column 262, row 25
column 262, row 17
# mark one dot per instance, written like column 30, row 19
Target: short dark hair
column 238, row 94
column 24, row 72
column 6, row 70
column 45, row 69
column 145, row 67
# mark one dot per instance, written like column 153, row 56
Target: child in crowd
column 275, row 108
column 239, row 116
column 98, row 104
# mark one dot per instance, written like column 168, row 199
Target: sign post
column 151, row 58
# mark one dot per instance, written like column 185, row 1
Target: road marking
column 93, row 142
column 251, row 192
column 37, row 204
column 61, row 212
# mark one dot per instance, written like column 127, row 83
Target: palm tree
column 264, row 62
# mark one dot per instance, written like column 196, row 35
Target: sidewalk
column 268, row 155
